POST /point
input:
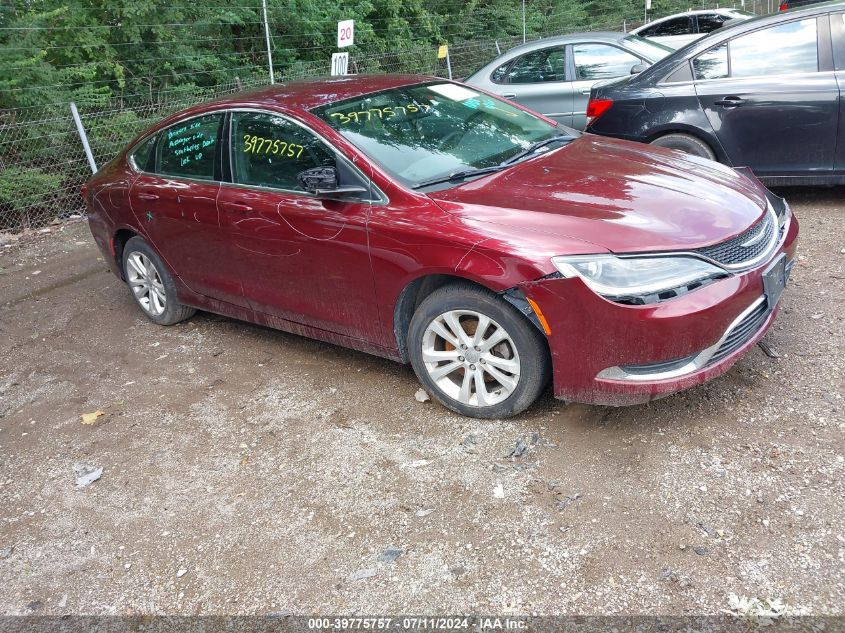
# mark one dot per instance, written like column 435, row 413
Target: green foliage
column 21, row 192
column 127, row 63
column 91, row 51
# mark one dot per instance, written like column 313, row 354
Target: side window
column 778, row 50
column 187, row 149
column 681, row 73
column 709, row 22
column 712, row 64
column 498, row 75
column 270, row 151
column 676, row 26
column 548, row 64
column 141, row 157
column 600, row 61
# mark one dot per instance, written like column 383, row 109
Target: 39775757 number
column 349, row 624
column 260, row 145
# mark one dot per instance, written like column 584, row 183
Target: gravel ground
column 249, row 471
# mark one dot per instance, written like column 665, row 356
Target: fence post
column 267, row 37
column 84, row 138
column 523, row 21
column 498, row 50
column 449, row 64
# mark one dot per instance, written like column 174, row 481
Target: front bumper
column 614, row 354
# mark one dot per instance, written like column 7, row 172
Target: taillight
column 597, row 107
column 783, row 6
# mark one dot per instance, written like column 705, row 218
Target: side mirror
column 317, row 179
column 636, row 69
column 324, row 181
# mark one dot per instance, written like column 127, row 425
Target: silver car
column 553, row 76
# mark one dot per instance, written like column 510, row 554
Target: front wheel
column 475, row 354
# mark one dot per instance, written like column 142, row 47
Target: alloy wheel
column 471, row 358
column 146, row 284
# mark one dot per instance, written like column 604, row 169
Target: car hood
column 619, row 195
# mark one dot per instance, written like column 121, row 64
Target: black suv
column 766, row 93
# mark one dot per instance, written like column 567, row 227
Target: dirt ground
column 250, row 471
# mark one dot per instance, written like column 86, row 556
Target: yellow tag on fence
column 443, row 51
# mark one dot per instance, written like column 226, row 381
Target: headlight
column 617, row 277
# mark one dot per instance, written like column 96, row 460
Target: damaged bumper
column 617, row 354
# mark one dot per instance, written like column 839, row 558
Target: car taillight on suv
column 597, row 107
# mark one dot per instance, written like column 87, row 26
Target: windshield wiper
column 538, row 145
column 459, row 175
column 468, row 173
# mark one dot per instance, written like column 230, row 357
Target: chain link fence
column 43, row 164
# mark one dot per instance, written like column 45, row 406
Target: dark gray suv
column 768, row 93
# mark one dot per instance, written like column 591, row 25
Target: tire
column 512, row 372
column 151, row 285
column 685, row 143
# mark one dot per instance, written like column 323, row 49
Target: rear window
column 710, row 22
column 187, row 149
column 544, row 65
column 675, row 26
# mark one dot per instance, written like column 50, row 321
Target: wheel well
column 120, row 239
column 694, row 135
column 410, row 298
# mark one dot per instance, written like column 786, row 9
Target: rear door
column 175, row 203
column 772, row 98
column 592, row 62
column 538, row 81
column 837, row 28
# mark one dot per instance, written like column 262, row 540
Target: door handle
column 509, row 95
column 730, row 102
column 148, row 196
column 585, row 92
column 236, row 207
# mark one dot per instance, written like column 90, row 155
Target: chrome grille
column 733, row 253
column 742, row 332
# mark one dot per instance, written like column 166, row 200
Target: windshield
column 426, row 131
column 647, row 48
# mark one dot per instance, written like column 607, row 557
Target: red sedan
column 431, row 223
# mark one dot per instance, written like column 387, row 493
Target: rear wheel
column 475, row 354
column 151, row 284
column 686, row 143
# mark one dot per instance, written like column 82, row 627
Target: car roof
column 664, row 66
column 722, row 11
column 598, row 36
column 312, row 93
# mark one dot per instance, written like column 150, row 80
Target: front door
column 301, row 258
column 175, row 202
column 770, row 104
